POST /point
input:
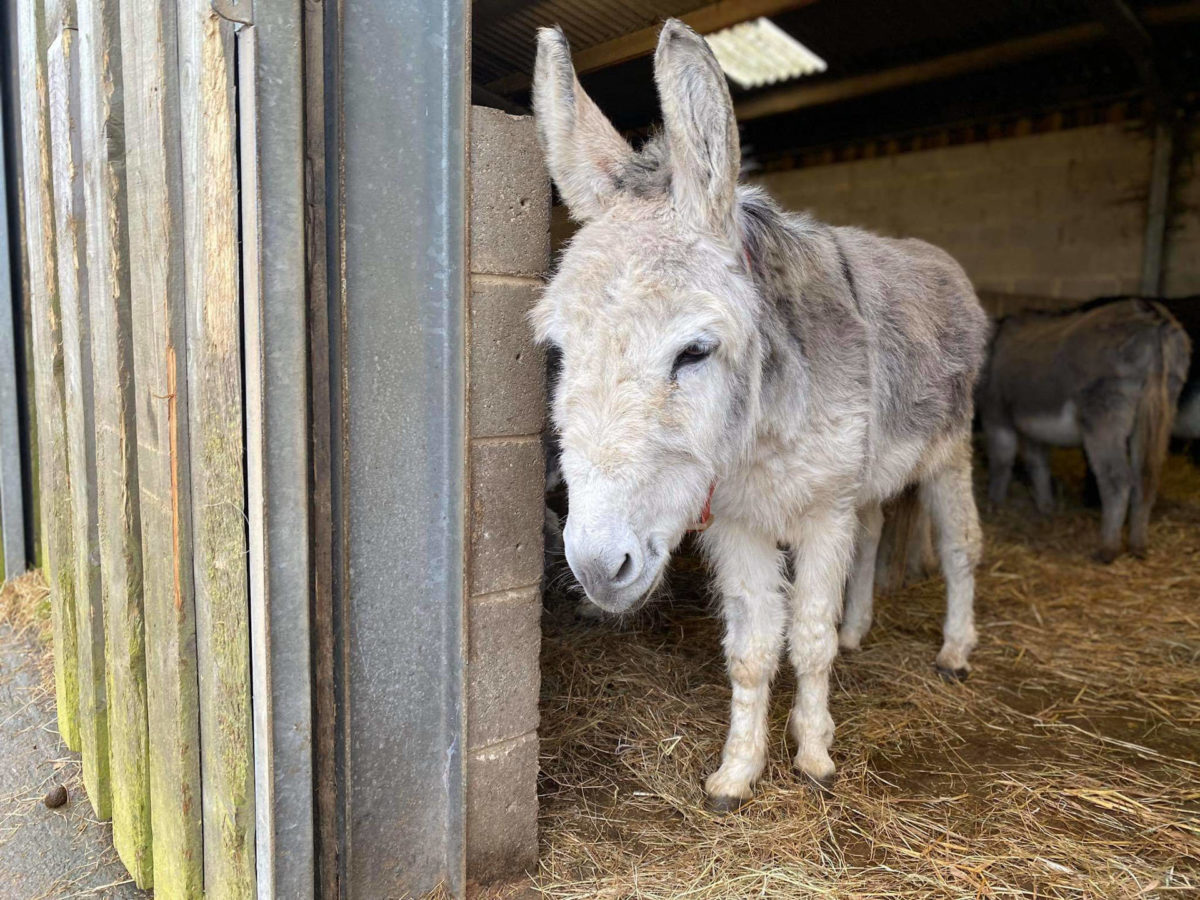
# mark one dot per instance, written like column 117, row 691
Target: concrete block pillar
column 509, row 257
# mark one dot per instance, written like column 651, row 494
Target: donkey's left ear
column 701, row 128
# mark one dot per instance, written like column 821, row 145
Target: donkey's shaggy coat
column 801, row 373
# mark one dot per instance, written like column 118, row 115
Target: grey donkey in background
column 797, row 374
column 1106, row 376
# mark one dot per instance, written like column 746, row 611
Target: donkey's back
column 928, row 337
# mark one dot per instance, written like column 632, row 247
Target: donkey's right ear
column 584, row 153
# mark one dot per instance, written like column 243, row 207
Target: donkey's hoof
column 821, row 784
column 953, row 676
column 1138, row 552
column 1106, row 555
column 724, row 804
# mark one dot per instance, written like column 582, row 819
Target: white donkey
column 717, row 349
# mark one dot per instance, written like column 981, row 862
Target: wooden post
column 208, row 105
column 58, row 544
column 67, row 161
column 155, row 189
column 102, row 123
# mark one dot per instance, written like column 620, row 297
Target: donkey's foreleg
column 749, row 574
column 952, row 506
column 860, row 590
column 824, row 549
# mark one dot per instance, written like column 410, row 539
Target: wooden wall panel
column 208, row 104
column 67, row 163
column 155, row 190
column 57, row 529
column 103, row 139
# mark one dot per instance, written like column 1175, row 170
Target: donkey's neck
column 780, row 261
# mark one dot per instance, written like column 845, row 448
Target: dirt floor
column 1067, row 766
column 45, row 854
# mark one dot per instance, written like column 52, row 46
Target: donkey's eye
column 695, row 352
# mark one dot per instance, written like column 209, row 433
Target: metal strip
column 1157, row 208
column 402, row 86
column 271, row 117
column 12, row 504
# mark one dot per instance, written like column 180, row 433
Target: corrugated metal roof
column 852, row 35
column 757, row 53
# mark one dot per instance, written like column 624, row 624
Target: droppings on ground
column 45, row 853
column 1068, row 766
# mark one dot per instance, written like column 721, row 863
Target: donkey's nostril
column 623, row 572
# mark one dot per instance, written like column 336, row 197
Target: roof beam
column 1127, row 30
column 621, row 49
column 803, row 94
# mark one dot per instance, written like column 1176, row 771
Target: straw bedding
column 1067, row 766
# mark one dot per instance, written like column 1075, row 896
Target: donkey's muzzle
column 609, row 562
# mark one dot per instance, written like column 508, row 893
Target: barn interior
column 1052, row 148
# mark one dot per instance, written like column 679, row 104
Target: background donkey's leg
column 824, row 549
column 952, row 505
column 1001, row 453
column 749, row 572
column 1105, row 444
column 856, row 619
column 1037, row 464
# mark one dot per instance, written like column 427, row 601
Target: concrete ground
column 45, row 853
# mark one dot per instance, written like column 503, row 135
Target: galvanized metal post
column 12, row 503
column 1157, row 208
column 271, row 116
column 397, row 223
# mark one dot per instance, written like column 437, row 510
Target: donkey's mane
column 771, row 237
column 774, row 241
column 648, row 172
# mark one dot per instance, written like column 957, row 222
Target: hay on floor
column 1067, row 766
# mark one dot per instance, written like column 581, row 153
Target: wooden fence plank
column 63, row 71
column 208, row 102
column 57, row 529
column 103, row 140
column 155, row 188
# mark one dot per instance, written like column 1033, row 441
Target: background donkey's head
column 653, row 310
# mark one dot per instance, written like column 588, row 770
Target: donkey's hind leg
column 1037, row 464
column 860, row 590
column 749, row 573
column 1106, row 448
column 1001, row 454
column 951, row 503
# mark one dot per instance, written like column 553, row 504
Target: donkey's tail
column 904, row 546
column 1156, row 407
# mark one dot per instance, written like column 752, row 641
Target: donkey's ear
column 701, row 128
column 584, row 153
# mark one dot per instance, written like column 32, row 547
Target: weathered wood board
column 208, row 105
column 103, row 139
column 57, row 527
column 155, row 191
column 66, row 156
